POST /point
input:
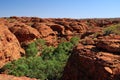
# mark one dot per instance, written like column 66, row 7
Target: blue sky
column 61, row 8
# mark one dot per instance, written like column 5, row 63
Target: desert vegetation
column 49, row 65
column 113, row 29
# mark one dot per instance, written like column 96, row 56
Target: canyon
column 96, row 57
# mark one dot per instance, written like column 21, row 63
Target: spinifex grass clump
column 113, row 29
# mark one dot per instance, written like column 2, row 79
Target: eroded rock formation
column 10, row 48
column 94, row 62
column 24, row 33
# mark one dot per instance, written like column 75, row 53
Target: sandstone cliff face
column 94, row 62
column 10, row 48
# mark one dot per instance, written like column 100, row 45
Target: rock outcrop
column 89, row 62
column 24, row 33
column 109, row 43
column 28, row 28
column 10, row 48
column 46, row 32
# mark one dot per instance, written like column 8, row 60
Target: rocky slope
column 10, row 48
column 100, row 61
column 17, row 32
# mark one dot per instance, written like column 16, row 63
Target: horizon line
column 62, row 17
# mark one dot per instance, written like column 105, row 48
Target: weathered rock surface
column 89, row 63
column 10, row 77
column 29, row 28
column 46, row 32
column 10, row 48
column 110, row 43
column 24, row 33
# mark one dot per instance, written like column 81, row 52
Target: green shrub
column 31, row 50
column 47, row 53
column 40, row 42
column 74, row 40
column 35, row 67
column 32, row 67
column 48, row 66
column 63, row 48
column 114, row 29
column 35, row 47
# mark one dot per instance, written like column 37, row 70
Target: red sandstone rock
column 60, row 29
column 10, row 48
column 46, row 33
column 109, row 43
column 89, row 64
column 24, row 33
column 44, row 30
column 79, row 27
